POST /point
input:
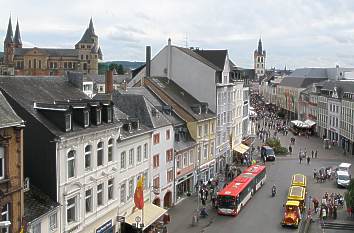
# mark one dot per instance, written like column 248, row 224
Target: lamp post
column 139, row 227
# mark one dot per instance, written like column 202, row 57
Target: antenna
column 186, row 40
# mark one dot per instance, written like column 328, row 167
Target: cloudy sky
column 295, row 33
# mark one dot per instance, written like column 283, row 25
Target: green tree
column 120, row 69
column 113, row 66
column 349, row 195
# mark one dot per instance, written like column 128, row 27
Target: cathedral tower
column 9, row 45
column 259, row 60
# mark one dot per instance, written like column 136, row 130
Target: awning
column 310, row 123
column 300, row 124
column 151, row 214
column 241, row 148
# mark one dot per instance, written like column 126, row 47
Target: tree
column 349, row 196
column 120, row 69
column 113, row 66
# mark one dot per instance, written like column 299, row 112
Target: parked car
column 268, row 153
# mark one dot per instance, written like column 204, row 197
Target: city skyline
column 296, row 34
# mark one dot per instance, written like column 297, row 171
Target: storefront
column 108, row 227
column 184, row 186
column 149, row 219
column 239, row 152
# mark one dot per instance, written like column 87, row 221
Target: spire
column 91, row 26
column 9, row 33
column 260, row 50
column 17, row 38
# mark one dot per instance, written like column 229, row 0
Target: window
column 109, row 115
column 206, row 129
column 123, row 160
column 71, row 164
column 98, row 116
column 5, row 216
column 36, row 228
column 29, row 64
column 168, row 134
column 156, row 161
column 191, row 156
column 200, row 131
column 212, row 149
column 205, row 151
column 110, row 189
column 185, row 159
column 71, row 210
column 212, row 127
column 138, row 154
column 131, row 157
column 87, row 157
column 146, row 180
column 86, row 118
column 156, row 182
column 39, row 64
column 110, row 150
column 169, row 155
column 100, row 154
column 178, row 165
column 156, row 138
column 131, row 188
column 88, row 200
column 145, row 151
column 170, row 175
column 100, row 195
column 53, row 222
column 68, row 122
column 2, row 163
column 123, row 193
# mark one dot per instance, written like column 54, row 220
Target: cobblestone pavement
column 267, row 212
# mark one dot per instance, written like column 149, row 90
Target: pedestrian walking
column 316, row 154
column 308, row 160
column 314, row 173
column 312, row 153
column 300, row 157
column 290, row 149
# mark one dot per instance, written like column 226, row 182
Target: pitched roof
column 8, row 116
column 342, row 86
column 37, row 204
column 195, row 55
column 49, row 51
column 216, row 57
column 180, row 96
column 89, row 34
column 9, row 34
column 101, row 78
column 17, row 38
column 46, row 90
column 300, row 82
column 138, row 106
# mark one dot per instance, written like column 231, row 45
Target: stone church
column 17, row 60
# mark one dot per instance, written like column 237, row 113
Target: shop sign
column 105, row 227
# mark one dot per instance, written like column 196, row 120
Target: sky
column 295, row 33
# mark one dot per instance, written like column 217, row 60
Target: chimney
column 109, row 82
column 148, row 61
column 169, row 58
column 337, row 72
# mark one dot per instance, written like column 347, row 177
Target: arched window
column 110, row 150
column 88, row 157
column 71, row 163
column 100, row 154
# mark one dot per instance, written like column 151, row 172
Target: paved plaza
column 263, row 213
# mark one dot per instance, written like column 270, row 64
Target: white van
column 343, row 178
column 344, row 167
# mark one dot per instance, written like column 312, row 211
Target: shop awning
column 310, row 123
column 151, row 214
column 241, row 148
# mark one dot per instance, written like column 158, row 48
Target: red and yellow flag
column 139, row 194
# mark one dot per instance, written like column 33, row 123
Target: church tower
column 88, row 51
column 9, row 45
column 259, row 60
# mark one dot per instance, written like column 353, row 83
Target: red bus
column 235, row 195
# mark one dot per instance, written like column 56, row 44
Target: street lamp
column 137, row 226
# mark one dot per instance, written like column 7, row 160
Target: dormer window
column 98, row 116
column 68, row 122
column 86, row 119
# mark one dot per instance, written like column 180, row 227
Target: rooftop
column 8, row 116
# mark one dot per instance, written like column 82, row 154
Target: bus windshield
column 226, row 202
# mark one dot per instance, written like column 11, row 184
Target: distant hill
column 127, row 65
